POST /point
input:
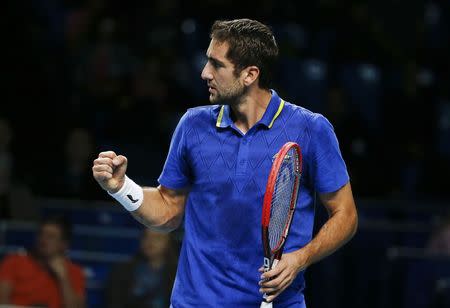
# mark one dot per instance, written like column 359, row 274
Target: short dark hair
column 61, row 222
column 250, row 43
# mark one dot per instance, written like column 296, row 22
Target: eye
column 215, row 64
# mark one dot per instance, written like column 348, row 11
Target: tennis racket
column 280, row 199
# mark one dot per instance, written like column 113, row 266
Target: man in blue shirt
column 215, row 176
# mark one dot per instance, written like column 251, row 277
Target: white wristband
column 130, row 195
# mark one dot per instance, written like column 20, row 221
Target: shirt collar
column 273, row 110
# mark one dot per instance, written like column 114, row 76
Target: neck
column 251, row 108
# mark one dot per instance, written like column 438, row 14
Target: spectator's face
column 224, row 86
column 154, row 244
column 50, row 241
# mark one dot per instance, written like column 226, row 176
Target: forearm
column 160, row 211
column 338, row 230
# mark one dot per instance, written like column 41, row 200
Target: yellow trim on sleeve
column 278, row 113
column 220, row 116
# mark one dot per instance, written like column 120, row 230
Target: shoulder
column 200, row 115
column 313, row 121
column 16, row 258
column 11, row 264
column 204, row 112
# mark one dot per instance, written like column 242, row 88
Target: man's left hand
column 276, row 280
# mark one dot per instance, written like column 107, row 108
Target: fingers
column 275, row 281
column 107, row 154
column 275, row 284
column 103, row 161
column 109, row 170
column 271, row 297
column 274, row 271
column 102, row 167
column 103, row 175
column 275, row 287
column 119, row 160
column 111, row 159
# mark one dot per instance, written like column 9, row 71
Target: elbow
column 171, row 224
column 161, row 222
column 166, row 225
column 353, row 222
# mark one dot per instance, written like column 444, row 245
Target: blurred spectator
column 147, row 279
column 44, row 276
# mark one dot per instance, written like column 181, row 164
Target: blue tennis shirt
column 226, row 172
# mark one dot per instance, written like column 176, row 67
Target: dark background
column 80, row 77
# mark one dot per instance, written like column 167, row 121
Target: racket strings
column 282, row 195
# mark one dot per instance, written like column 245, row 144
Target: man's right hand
column 109, row 171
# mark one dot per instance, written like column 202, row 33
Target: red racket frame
column 278, row 250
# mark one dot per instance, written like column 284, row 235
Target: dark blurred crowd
column 93, row 75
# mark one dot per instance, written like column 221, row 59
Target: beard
column 231, row 96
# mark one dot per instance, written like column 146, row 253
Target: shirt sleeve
column 175, row 174
column 8, row 268
column 328, row 169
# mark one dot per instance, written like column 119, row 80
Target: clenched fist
column 109, row 171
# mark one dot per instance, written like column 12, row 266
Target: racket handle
column 265, row 304
column 275, row 262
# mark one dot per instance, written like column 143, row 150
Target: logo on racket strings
column 287, row 158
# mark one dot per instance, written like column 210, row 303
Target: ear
column 250, row 74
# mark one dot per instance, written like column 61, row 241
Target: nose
column 206, row 73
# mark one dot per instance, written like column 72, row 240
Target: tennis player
column 216, row 172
